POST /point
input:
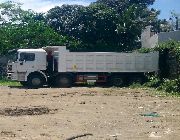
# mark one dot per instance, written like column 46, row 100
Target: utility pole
column 177, row 23
column 171, row 24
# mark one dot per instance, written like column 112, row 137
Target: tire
column 35, row 81
column 23, row 83
column 64, row 81
column 117, row 81
column 136, row 80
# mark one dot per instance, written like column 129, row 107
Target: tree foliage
column 25, row 29
column 105, row 25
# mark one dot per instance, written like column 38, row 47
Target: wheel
column 64, row 81
column 136, row 79
column 117, row 81
column 35, row 81
column 23, row 83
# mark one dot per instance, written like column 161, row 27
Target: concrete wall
column 149, row 40
column 153, row 41
column 145, row 36
column 165, row 36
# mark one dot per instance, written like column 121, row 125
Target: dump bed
column 106, row 61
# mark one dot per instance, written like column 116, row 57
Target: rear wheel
column 117, row 81
column 35, row 81
column 136, row 80
column 64, row 81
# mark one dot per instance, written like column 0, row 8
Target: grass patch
column 164, row 87
column 136, row 85
column 5, row 82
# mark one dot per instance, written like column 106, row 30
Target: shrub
column 153, row 81
column 168, row 80
column 171, row 86
column 145, row 50
column 169, row 61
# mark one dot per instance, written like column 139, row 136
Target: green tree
column 175, row 20
column 64, row 18
column 105, row 25
column 134, row 16
column 25, row 29
column 94, row 26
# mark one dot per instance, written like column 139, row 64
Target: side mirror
column 21, row 63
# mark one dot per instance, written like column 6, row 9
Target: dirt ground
column 83, row 113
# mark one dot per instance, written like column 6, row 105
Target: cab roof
column 32, row 50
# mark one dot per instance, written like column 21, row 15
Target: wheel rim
column 118, row 82
column 64, row 80
column 36, row 81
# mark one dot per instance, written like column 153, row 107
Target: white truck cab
column 28, row 61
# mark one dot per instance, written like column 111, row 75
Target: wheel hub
column 36, row 81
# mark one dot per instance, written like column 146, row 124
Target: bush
column 169, row 61
column 168, row 80
column 145, row 50
column 167, row 85
column 171, row 86
column 153, row 81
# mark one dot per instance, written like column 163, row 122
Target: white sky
column 45, row 5
column 166, row 6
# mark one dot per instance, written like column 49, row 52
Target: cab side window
column 27, row 57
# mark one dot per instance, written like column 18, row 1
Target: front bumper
column 16, row 76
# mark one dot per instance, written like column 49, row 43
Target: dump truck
column 57, row 66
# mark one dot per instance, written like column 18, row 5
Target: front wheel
column 35, row 81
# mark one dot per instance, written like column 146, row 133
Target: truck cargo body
column 58, row 66
column 107, row 62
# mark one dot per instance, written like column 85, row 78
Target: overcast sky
column 166, row 6
column 45, row 5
